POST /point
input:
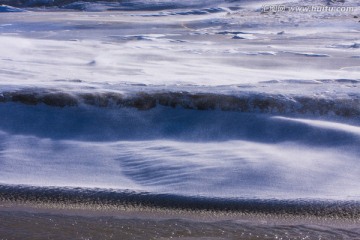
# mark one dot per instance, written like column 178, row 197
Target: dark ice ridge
column 242, row 101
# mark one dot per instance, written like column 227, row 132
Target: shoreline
column 130, row 211
column 39, row 222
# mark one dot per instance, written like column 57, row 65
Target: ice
column 210, row 98
column 5, row 8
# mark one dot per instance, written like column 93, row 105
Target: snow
column 288, row 56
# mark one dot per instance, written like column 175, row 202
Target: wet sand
column 21, row 220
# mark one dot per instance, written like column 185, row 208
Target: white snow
column 190, row 152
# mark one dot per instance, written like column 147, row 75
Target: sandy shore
column 156, row 213
column 78, row 221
